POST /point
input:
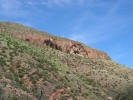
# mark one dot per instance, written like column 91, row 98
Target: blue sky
column 106, row 25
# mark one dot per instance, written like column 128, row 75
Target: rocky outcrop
column 43, row 39
column 60, row 92
column 64, row 45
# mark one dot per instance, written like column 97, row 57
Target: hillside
column 38, row 66
column 42, row 39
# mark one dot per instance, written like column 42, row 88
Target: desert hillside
column 44, row 39
column 35, row 65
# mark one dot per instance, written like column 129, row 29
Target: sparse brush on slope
column 30, row 71
column 127, row 94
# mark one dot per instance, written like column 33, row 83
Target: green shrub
column 67, row 72
column 2, row 62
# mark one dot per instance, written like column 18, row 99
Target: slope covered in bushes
column 33, row 72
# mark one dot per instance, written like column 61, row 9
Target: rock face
column 64, row 45
column 39, row 38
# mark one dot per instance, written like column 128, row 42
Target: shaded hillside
column 35, row 72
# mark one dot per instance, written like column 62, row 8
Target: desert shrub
column 9, row 76
column 2, row 62
column 61, row 79
column 21, row 74
column 40, row 66
column 24, row 88
column 66, row 78
column 1, row 92
column 127, row 94
column 43, row 74
column 63, row 98
column 21, row 81
column 89, row 81
column 67, row 72
column 4, row 48
column 12, row 70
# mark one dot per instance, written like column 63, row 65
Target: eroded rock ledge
column 64, row 45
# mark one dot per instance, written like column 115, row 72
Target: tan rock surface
column 42, row 38
column 64, row 45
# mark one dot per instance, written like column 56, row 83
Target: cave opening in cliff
column 75, row 52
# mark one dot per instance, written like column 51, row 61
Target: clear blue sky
column 106, row 25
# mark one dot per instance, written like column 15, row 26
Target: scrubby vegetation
column 31, row 72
